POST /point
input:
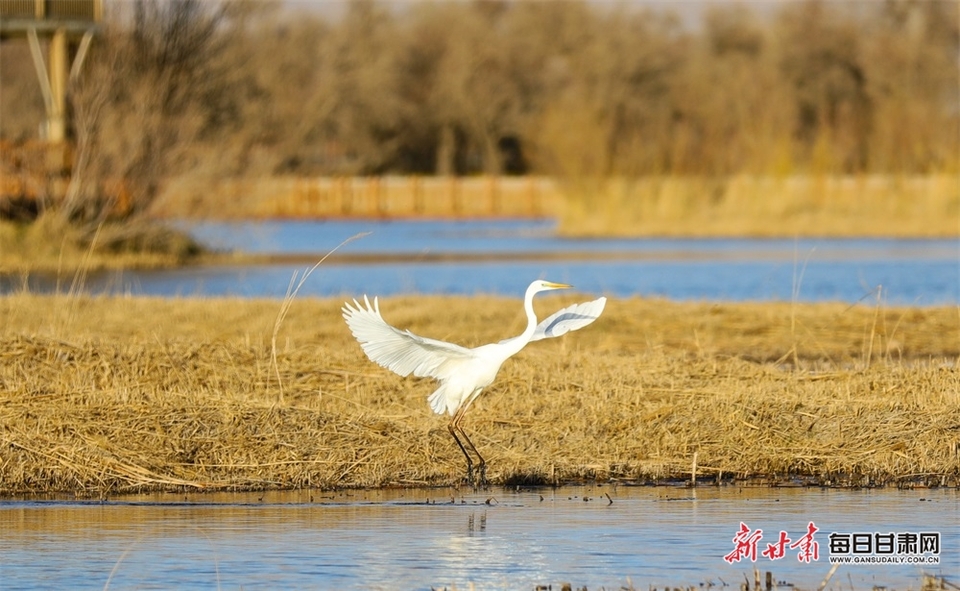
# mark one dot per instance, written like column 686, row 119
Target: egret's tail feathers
column 439, row 403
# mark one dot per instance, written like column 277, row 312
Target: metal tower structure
column 69, row 26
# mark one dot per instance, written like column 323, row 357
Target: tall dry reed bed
column 116, row 394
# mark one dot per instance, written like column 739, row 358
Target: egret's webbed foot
column 470, row 480
column 482, row 469
column 470, row 472
column 477, row 478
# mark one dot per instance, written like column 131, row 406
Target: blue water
column 418, row 539
column 893, row 271
column 530, row 236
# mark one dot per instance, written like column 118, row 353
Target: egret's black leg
column 482, row 464
column 453, row 431
column 455, row 428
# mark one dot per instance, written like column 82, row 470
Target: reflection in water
column 415, row 539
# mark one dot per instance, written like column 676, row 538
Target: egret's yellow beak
column 553, row 285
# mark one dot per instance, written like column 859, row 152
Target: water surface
column 502, row 257
column 496, row 539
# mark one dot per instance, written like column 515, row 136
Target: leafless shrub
column 149, row 96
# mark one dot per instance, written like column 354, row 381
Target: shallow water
column 496, row 539
column 503, row 256
column 528, row 236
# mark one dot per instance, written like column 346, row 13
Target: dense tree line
column 462, row 87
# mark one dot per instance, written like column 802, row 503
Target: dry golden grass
column 803, row 205
column 118, row 394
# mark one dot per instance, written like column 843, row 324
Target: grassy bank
column 49, row 244
column 121, row 394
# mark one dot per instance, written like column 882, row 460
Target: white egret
column 462, row 372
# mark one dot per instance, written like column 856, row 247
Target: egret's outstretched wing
column 400, row 351
column 570, row 318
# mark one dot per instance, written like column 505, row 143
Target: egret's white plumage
column 462, row 372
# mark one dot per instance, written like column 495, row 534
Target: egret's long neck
column 520, row 341
column 531, row 315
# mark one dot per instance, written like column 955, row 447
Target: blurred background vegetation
column 575, row 90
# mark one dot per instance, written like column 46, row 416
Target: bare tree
column 148, row 97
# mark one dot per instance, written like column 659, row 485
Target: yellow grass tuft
column 130, row 394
